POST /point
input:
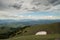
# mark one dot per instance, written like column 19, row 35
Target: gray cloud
column 22, row 5
column 39, row 2
column 10, row 8
column 4, row 4
column 54, row 2
column 17, row 5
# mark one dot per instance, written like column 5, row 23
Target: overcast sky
column 29, row 9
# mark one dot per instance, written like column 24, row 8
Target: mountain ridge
column 28, row 21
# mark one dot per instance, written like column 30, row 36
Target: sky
column 29, row 9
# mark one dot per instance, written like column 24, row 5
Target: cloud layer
column 12, row 9
column 33, row 16
column 29, row 5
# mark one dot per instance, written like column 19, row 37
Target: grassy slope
column 29, row 32
column 34, row 37
column 52, row 29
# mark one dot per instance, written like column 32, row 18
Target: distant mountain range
column 28, row 21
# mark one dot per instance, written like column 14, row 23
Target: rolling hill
column 53, row 28
column 28, row 22
column 29, row 32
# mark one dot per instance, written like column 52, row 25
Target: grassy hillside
column 29, row 32
column 50, row 28
column 34, row 37
column 53, row 28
